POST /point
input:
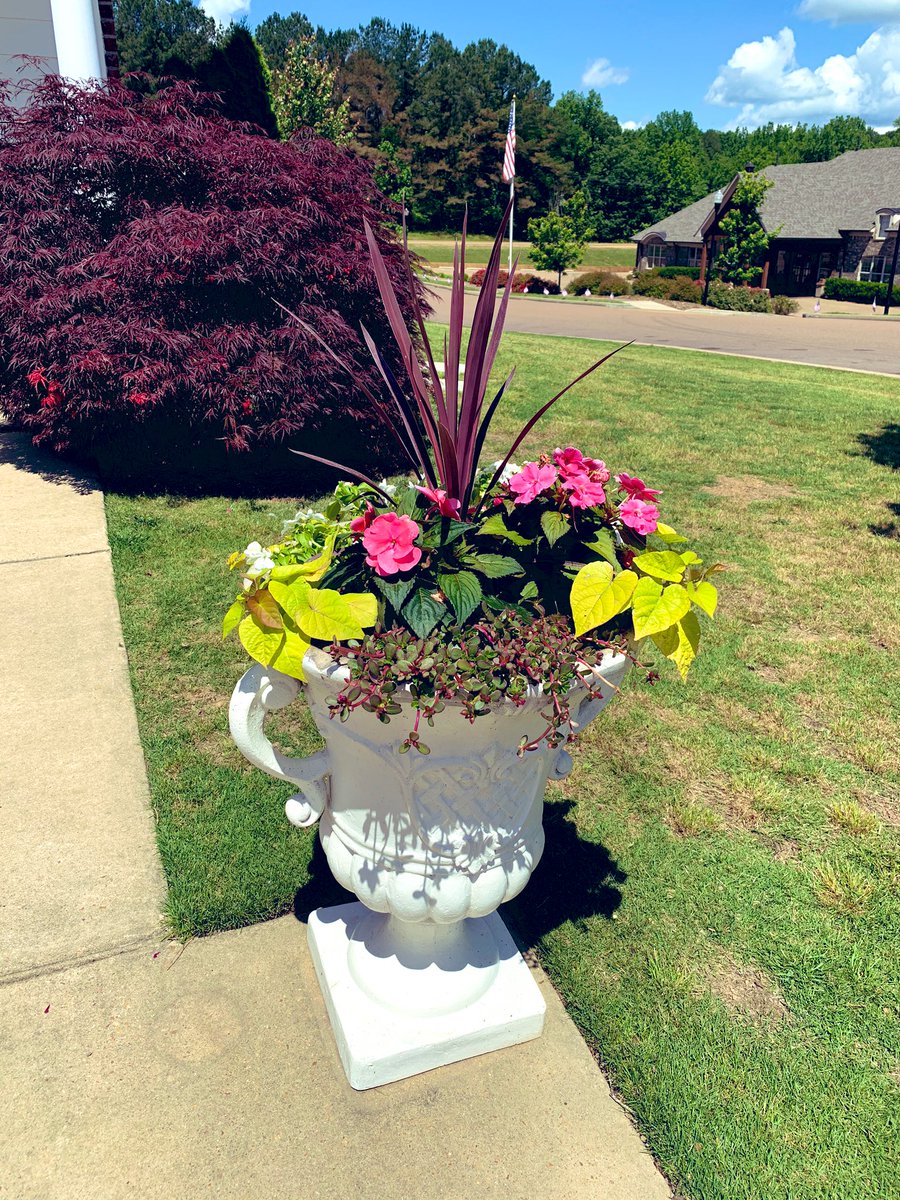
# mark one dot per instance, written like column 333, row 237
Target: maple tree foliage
column 144, row 245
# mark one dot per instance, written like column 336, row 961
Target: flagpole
column 512, row 194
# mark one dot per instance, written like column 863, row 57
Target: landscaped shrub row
column 661, row 286
column 601, row 283
column 676, row 272
column 147, row 243
column 738, row 299
column 860, row 291
column 523, row 281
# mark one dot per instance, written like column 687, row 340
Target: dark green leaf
column 496, row 526
column 406, row 500
column 604, row 546
column 463, row 591
column 422, row 612
column 394, row 592
column 554, row 525
column 451, row 530
column 494, row 566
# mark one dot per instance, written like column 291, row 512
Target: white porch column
column 79, row 48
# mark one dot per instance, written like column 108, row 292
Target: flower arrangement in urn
column 509, row 596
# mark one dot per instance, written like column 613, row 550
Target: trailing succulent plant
column 477, row 583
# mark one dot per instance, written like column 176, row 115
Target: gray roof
column 808, row 200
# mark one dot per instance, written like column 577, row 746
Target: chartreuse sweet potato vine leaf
column 311, row 571
column 661, row 564
column 323, row 613
column 598, row 594
column 704, row 595
column 262, row 605
column 680, row 641
column 667, row 534
column 233, row 616
column 259, row 641
column 656, row 608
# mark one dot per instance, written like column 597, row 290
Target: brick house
column 75, row 38
column 830, row 218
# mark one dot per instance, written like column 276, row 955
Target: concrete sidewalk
column 135, row 1067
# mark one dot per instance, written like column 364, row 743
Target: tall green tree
column 237, row 71
column 276, row 33
column 745, row 241
column 555, row 244
column 152, row 32
column 303, row 95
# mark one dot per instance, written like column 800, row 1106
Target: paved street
column 856, row 345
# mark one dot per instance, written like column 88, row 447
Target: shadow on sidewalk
column 18, row 450
column 574, row 880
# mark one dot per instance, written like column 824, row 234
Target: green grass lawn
column 438, row 248
column 718, row 899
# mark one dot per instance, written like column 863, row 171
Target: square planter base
column 379, row 1045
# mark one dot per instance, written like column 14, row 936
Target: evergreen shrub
column 601, row 283
column 859, row 291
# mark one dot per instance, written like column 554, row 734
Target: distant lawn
column 718, row 900
column 438, row 249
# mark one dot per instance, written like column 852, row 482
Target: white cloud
column 764, row 80
column 601, row 73
column 633, row 124
column 844, row 12
column 225, row 11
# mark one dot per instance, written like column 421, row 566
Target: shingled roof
column 809, row 200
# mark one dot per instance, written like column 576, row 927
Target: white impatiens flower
column 508, row 471
column 257, row 559
column 389, row 488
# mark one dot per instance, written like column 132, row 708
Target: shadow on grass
column 888, row 529
column 882, row 447
column 574, row 880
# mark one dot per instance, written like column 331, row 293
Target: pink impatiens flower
column 361, row 524
column 569, row 460
column 636, row 488
column 531, row 481
column 445, row 506
column 584, row 492
column 389, row 541
column 639, row 516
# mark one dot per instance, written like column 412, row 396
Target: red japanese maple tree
column 146, row 244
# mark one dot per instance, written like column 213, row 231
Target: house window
column 884, row 224
column 874, row 270
column 693, row 255
column 656, row 255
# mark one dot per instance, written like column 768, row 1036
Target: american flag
column 509, row 154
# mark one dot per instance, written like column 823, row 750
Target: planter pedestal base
column 405, row 997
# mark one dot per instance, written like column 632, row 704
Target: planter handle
column 258, row 692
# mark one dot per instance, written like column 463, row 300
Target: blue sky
column 730, row 63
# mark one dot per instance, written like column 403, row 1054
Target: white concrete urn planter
column 422, row 971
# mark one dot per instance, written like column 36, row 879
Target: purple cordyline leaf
column 474, row 451
column 420, row 459
column 482, row 434
column 350, row 471
column 304, row 325
column 540, row 412
column 431, row 427
column 474, row 382
column 392, row 308
column 453, row 351
column 420, row 322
